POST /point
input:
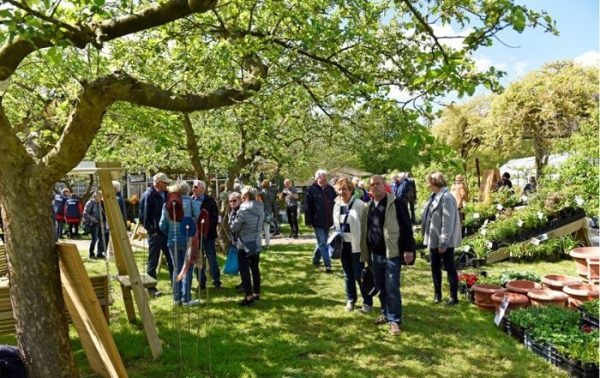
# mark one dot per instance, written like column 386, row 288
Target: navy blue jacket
column 151, row 205
column 318, row 207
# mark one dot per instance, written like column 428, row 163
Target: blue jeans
column 156, row 244
column 58, row 228
column 352, row 269
column 387, row 281
column 321, row 251
column 182, row 290
column 210, row 251
column 97, row 236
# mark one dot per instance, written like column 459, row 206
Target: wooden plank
column 3, row 261
column 147, row 281
column 126, row 262
column 84, row 308
column 497, row 255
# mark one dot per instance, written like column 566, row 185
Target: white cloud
column 520, row 68
column 398, row 94
column 588, row 59
column 457, row 37
column 483, row 64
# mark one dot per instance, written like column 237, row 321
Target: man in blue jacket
column 151, row 206
column 319, row 215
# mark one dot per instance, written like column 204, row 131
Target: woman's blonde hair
column 346, row 181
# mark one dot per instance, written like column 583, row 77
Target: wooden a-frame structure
column 129, row 276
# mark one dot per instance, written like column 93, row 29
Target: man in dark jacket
column 318, row 214
column 151, row 206
column 387, row 243
column 209, row 243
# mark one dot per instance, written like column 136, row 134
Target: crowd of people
column 375, row 221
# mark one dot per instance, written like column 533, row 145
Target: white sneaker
column 192, row 303
column 349, row 306
column 177, row 303
column 366, row 309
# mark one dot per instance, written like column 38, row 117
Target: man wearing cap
column 209, row 243
column 151, row 206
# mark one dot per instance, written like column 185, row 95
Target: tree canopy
column 68, row 67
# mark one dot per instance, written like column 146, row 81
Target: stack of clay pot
column 579, row 293
column 587, row 263
column 483, row 295
column 515, row 300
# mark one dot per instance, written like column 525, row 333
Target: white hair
column 116, row 185
column 182, row 187
column 355, row 180
column 200, row 183
column 320, row 172
column 401, row 175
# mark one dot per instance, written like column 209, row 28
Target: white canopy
column 520, row 169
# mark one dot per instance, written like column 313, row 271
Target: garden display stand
column 129, row 276
column 578, row 227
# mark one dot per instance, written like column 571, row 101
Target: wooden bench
column 3, row 261
column 7, row 320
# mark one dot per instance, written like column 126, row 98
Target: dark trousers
column 156, row 244
column 73, row 229
column 97, row 237
column 249, row 264
column 352, row 269
column 411, row 205
column 436, row 271
column 58, row 229
column 292, row 216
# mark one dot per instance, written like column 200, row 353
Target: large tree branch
column 14, row 156
column 192, row 147
column 427, row 28
column 85, row 120
column 13, row 53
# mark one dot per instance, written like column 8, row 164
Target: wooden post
column 478, row 172
column 88, row 319
column 125, row 260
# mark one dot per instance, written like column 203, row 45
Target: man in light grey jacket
column 442, row 233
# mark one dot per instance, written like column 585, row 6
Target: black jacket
column 151, row 205
column 209, row 204
column 318, row 208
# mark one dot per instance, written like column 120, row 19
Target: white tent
column 521, row 169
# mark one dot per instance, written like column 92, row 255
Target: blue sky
column 577, row 22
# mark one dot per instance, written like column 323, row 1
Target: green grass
column 300, row 329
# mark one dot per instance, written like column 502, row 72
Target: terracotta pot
column 580, row 256
column 522, row 286
column 483, row 295
column 593, row 269
column 579, row 293
column 514, row 300
column 558, row 281
column 546, row 297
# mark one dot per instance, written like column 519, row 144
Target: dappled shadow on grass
column 300, row 328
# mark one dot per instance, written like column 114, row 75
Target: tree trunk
column 540, row 162
column 35, row 286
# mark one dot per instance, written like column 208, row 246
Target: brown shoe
column 394, row 329
column 381, row 320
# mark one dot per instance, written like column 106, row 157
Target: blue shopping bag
column 231, row 264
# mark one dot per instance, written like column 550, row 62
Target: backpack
column 174, row 207
column 203, row 227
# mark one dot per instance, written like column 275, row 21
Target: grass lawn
column 299, row 328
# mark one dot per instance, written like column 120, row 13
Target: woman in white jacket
column 441, row 234
column 347, row 215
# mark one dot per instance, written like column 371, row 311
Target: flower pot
column 593, row 269
column 547, row 297
column 514, row 300
column 558, row 281
column 522, row 286
column 579, row 293
column 581, row 255
column 483, row 296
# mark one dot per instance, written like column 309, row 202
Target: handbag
column 367, row 281
column 231, row 266
column 336, row 240
column 87, row 227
